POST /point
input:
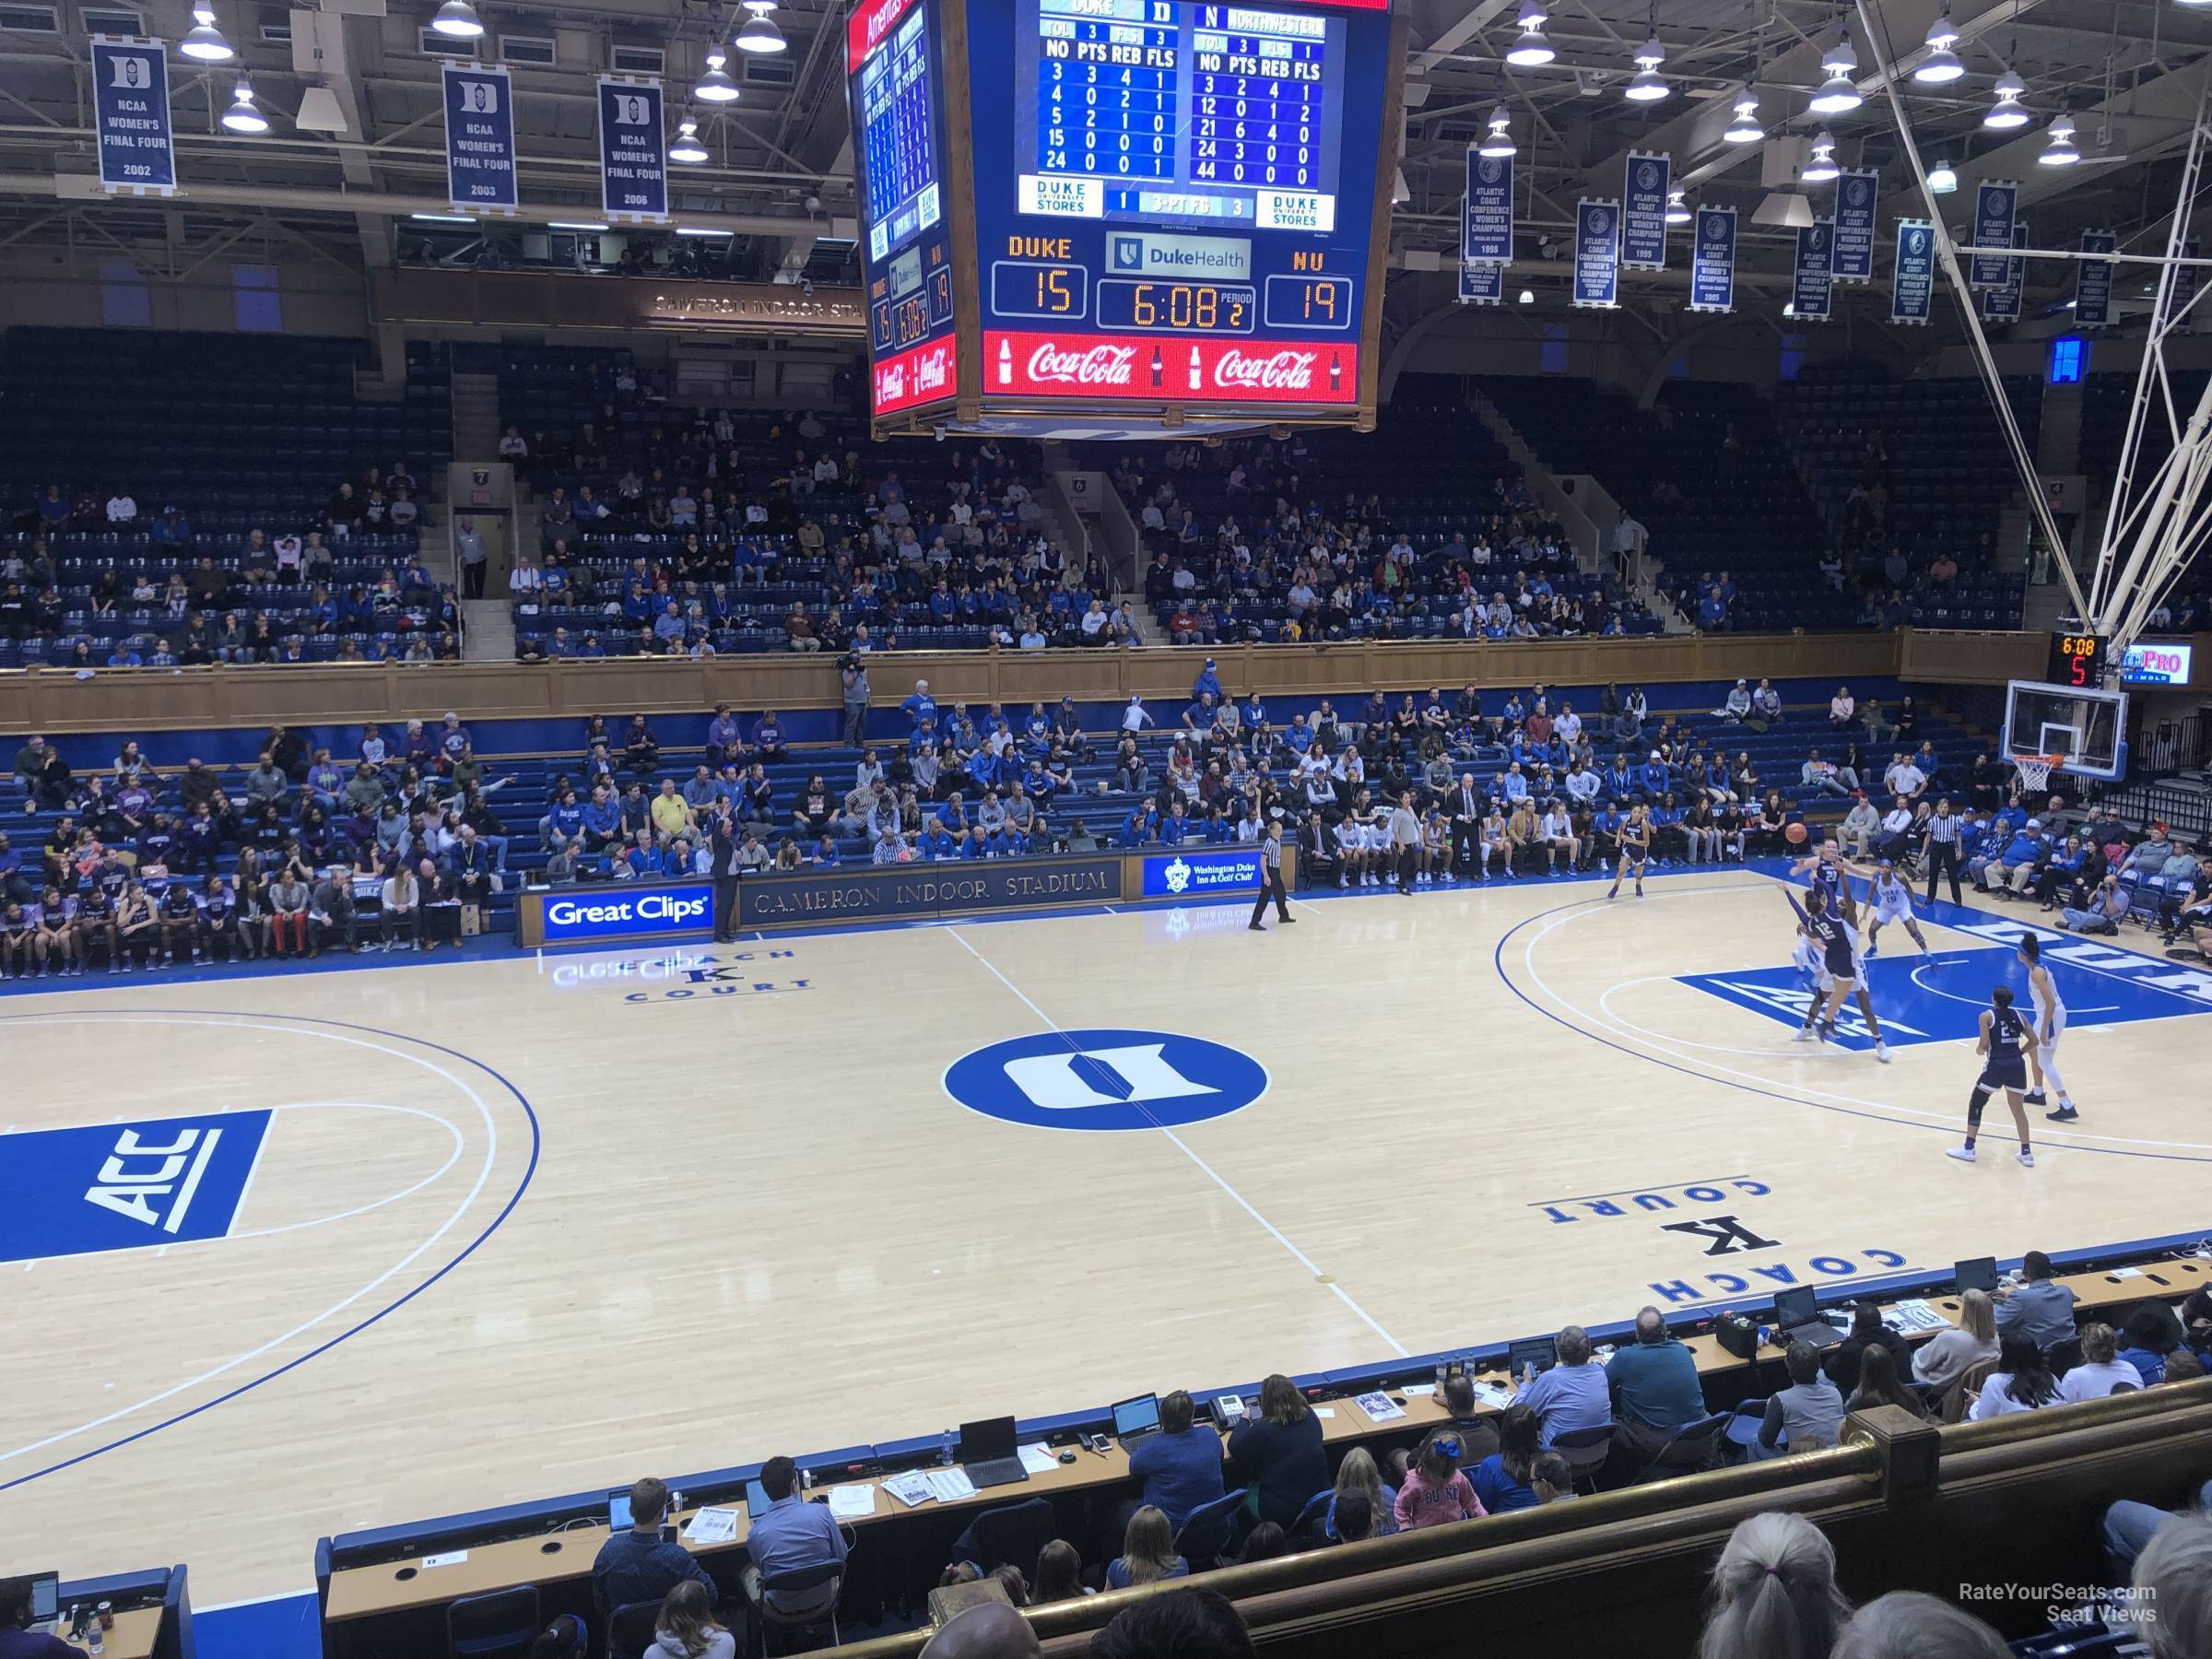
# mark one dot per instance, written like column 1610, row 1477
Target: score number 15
column 1021, row 288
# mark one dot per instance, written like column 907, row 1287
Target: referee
column 1939, row 848
column 1270, row 869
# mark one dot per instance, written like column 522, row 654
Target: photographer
column 853, row 671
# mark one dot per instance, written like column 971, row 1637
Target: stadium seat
column 1690, row 1448
column 493, row 1626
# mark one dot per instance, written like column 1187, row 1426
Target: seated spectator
column 1906, row 1624
column 1806, row 1414
column 1264, row 1543
column 1655, row 1389
column 1573, row 1394
column 1946, row 1356
column 2021, row 1382
column 1181, row 1465
column 2150, row 1333
column 685, row 1627
column 43, row 774
column 1059, row 1574
column 1357, row 1477
column 792, row 1536
column 2038, row 1305
column 2102, row 1368
column 1505, row 1479
column 636, row 1566
column 2130, row 1526
column 2174, row 1581
column 2103, row 913
column 1774, row 1593
column 1280, row 1450
column 1866, row 1331
column 1352, row 1518
column 17, row 1639
column 1437, row 1490
column 1179, row 1624
column 1147, row 1552
column 1878, row 1384
column 1551, row 1479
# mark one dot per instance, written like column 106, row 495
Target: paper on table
column 911, row 1488
column 1379, row 1407
column 1038, row 1459
column 1492, row 1393
column 852, row 1502
column 1915, row 1315
column 1324, row 1411
column 712, row 1526
column 948, row 1486
column 1420, row 1391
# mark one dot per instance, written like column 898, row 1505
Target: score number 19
column 1303, row 301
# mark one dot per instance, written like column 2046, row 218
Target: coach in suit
column 724, row 843
column 1467, row 806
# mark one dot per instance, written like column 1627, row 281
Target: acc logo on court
column 1106, row 1080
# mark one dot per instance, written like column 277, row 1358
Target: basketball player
column 2050, row 1026
column 1835, row 942
column 1892, row 900
column 2005, row 1039
column 1635, row 848
column 1830, row 875
column 1496, row 843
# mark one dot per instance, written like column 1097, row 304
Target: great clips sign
column 576, row 917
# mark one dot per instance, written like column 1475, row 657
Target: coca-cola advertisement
column 1240, row 370
column 923, row 376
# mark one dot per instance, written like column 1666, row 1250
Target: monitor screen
column 1797, row 1307
column 1980, row 1273
column 45, row 1597
column 992, row 1438
column 618, row 1512
column 1134, row 1416
column 1542, row 1352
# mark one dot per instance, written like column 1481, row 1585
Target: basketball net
column 2034, row 771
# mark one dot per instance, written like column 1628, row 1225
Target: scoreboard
column 1123, row 215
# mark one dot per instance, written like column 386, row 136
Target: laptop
column 1135, row 1420
column 757, row 1500
column 1798, row 1313
column 986, row 1452
column 618, row 1511
column 1540, row 1353
column 46, row 1602
column 1978, row 1273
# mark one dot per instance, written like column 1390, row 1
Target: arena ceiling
column 2131, row 72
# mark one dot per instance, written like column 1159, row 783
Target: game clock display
column 2078, row 659
column 1172, row 203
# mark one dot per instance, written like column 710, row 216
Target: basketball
column 1793, row 834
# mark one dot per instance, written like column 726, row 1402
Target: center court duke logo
column 1106, row 1080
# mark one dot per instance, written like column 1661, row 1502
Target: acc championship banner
column 1858, row 190
column 1994, row 206
column 1487, row 235
column 130, row 108
column 2093, row 281
column 633, row 163
column 1712, row 260
column 480, row 139
column 1481, row 283
column 2002, row 304
column 1195, row 872
column 1913, row 283
column 1810, row 287
column 1643, row 212
column 956, row 887
column 1596, row 253
column 127, row 1185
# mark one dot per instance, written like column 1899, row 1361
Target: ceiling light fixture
column 241, row 116
column 1678, row 210
column 1837, row 96
column 686, row 148
column 1531, row 49
column 1941, row 67
column 1526, row 297
column 1499, row 144
column 1942, row 180
column 760, row 32
column 203, row 42
column 573, row 225
column 1840, row 59
column 1822, row 167
column 2058, row 148
column 2008, row 112
column 715, row 86
column 458, row 20
column 1745, row 128
column 1645, row 85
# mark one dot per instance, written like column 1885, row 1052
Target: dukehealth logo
column 1194, row 874
column 685, row 908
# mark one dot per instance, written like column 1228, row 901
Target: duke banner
column 633, row 162
column 1994, row 206
column 1480, row 284
column 480, row 139
column 1811, row 285
column 2093, row 281
column 1712, row 260
column 2002, row 304
column 130, row 109
column 1486, row 236
column 1597, row 253
column 1913, row 283
column 1858, row 190
column 1643, row 212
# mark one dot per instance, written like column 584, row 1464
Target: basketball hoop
column 2034, row 771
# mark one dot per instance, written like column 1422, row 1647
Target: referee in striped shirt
column 1271, row 877
column 1940, row 849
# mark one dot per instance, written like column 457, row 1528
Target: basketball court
column 425, row 1238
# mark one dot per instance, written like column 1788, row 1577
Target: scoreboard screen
column 895, row 89
column 1164, row 211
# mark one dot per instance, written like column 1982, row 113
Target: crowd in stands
column 1594, row 1418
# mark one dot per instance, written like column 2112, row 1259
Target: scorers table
column 1124, row 218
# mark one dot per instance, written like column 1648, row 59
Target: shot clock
column 2078, row 659
column 1167, row 213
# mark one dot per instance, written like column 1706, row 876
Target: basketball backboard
column 2086, row 727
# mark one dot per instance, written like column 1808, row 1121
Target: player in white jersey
column 2050, row 1026
column 1891, row 900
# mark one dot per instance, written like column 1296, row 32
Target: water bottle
column 945, row 1447
column 1440, row 1370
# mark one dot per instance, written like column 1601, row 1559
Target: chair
column 489, row 1626
column 804, row 1586
column 1308, row 1524
column 1011, row 1534
column 1688, row 1450
column 1585, row 1451
column 1210, row 1530
column 1964, row 1391
column 629, row 1628
column 2063, row 1356
column 1744, row 1423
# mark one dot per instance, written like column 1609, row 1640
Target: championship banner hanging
column 1481, row 282
column 1712, row 260
column 480, row 139
column 1858, row 191
column 1913, row 283
column 130, row 111
column 1485, row 234
column 2001, row 304
column 1597, row 253
column 1810, row 289
column 1643, row 212
column 1995, row 206
column 2093, row 281
column 633, row 161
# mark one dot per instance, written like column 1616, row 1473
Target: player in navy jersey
column 2003, row 1045
column 1635, row 849
column 1830, row 875
column 1832, row 946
